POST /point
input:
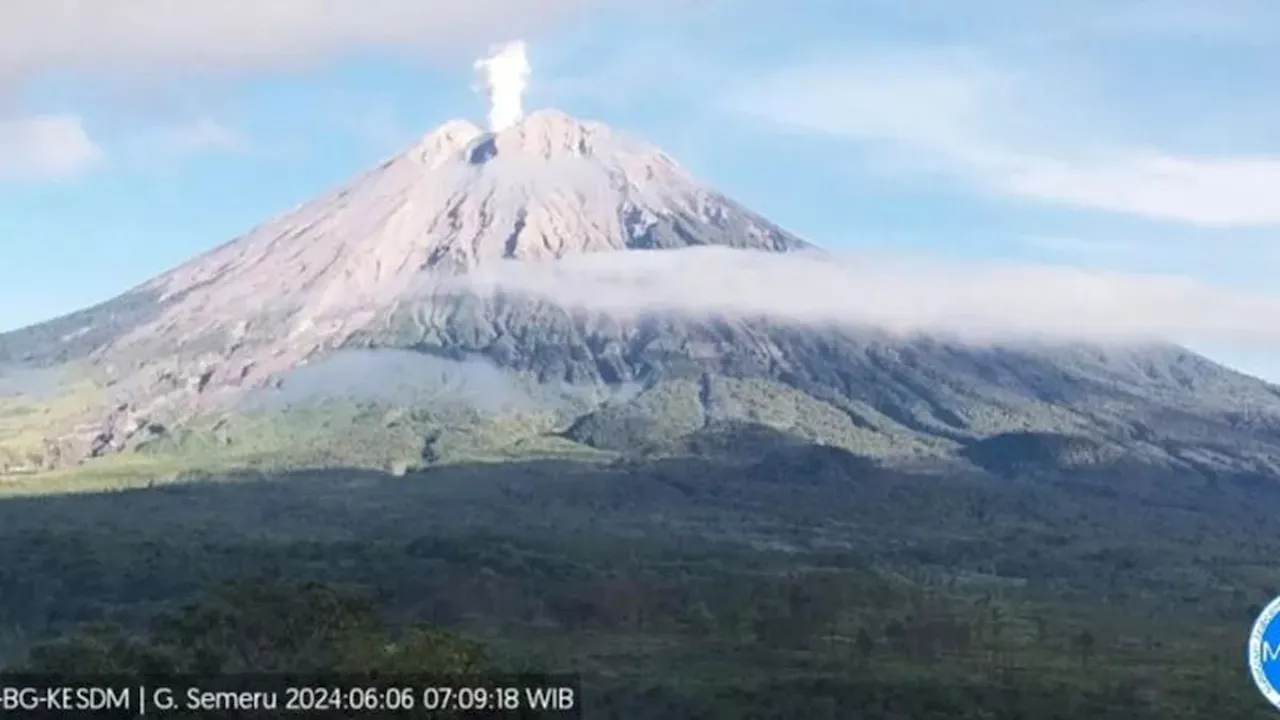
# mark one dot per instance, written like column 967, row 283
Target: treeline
column 260, row 625
column 263, row 625
column 681, row 595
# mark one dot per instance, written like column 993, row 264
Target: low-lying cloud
column 388, row 375
column 29, row 383
column 400, row 376
column 971, row 301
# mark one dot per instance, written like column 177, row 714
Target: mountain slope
column 373, row 266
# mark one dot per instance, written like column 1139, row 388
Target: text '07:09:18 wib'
column 439, row 698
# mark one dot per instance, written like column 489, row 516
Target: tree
column 864, row 644
column 266, row 626
column 423, row 649
column 896, row 634
column 1042, row 630
column 101, row 649
column 263, row 626
column 1084, row 642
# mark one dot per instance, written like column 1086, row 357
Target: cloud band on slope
column 974, row 302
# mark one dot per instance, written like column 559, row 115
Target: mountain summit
column 362, row 268
column 549, row 186
column 304, row 282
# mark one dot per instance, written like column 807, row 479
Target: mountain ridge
column 347, row 271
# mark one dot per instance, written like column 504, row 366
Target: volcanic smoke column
column 503, row 78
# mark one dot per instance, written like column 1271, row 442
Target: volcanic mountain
column 385, row 264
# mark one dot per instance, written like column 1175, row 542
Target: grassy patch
column 27, row 422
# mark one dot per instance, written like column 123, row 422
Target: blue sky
column 1128, row 136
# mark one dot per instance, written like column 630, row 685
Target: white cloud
column 37, row 35
column 1213, row 192
column 979, row 302
column 48, row 147
column 948, row 113
column 148, row 42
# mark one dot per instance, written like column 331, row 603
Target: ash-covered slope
column 550, row 186
column 547, row 187
column 303, row 283
column 364, row 266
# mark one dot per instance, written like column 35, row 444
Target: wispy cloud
column 202, row 135
column 47, row 147
column 1215, row 192
column 38, row 35
column 951, row 113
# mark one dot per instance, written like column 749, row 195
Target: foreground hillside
column 792, row 581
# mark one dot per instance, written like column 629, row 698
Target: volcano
column 382, row 265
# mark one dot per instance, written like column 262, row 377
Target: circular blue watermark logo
column 1264, row 652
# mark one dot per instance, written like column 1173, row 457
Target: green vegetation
column 261, row 624
column 397, row 437
column 787, row 581
column 27, row 423
column 347, row 434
